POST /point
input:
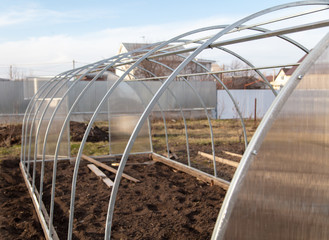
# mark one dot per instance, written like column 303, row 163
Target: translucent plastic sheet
column 126, row 105
column 285, row 192
column 47, row 106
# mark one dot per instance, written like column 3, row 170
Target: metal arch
column 46, row 134
column 78, row 159
column 184, row 120
column 57, row 81
column 251, row 65
column 161, row 109
column 66, row 121
column 206, row 112
column 63, row 128
column 41, row 91
column 234, row 103
column 162, row 115
column 63, row 78
column 158, row 94
column 231, row 97
column 64, row 81
column 50, row 123
column 248, row 62
column 161, row 90
column 288, row 39
column 77, row 71
column 27, row 114
column 257, row 140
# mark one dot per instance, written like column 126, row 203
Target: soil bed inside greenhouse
column 165, row 204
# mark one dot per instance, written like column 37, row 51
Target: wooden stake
column 100, row 174
column 232, row 154
column 219, row 159
column 192, row 171
column 108, row 168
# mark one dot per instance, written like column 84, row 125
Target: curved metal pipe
column 51, row 87
column 206, row 113
column 109, row 92
column 63, row 129
column 161, row 110
column 51, row 121
column 40, row 120
column 27, row 112
column 160, row 92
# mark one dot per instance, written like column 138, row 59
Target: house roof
column 290, row 71
column 132, row 46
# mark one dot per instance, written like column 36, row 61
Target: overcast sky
column 43, row 37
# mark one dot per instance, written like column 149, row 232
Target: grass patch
column 10, row 152
column 95, row 149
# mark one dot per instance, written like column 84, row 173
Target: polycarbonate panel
column 126, row 105
column 33, row 115
column 285, row 193
column 48, row 106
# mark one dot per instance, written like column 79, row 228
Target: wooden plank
column 108, row 168
column 108, row 182
column 136, row 163
column 192, row 171
column 219, row 159
column 232, row 154
column 96, row 170
column 100, row 174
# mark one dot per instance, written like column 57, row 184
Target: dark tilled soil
column 166, row 204
column 77, row 130
column 18, row 219
column 10, row 134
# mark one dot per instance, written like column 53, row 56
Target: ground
column 166, row 204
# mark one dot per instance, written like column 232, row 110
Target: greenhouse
column 156, row 102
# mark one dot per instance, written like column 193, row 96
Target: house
column 284, row 75
column 149, row 69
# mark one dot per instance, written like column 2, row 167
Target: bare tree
column 240, row 79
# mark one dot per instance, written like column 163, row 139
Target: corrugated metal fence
column 251, row 103
column 13, row 104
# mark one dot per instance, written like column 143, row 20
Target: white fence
column 249, row 102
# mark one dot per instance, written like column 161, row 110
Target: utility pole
column 11, row 72
column 73, row 64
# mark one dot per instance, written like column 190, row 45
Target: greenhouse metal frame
column 49, row 108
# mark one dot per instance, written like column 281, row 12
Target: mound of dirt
column 97, row 134
column 10, row 134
